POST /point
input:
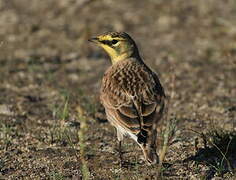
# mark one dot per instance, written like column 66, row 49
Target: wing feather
column 135, row 105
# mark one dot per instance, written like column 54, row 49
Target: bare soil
column 49, row 72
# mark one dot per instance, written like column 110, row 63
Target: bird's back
column 133, row 97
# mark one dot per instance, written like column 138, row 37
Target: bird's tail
column 148, row 142
column 150, row 154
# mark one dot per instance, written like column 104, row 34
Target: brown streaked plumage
column 131, row 93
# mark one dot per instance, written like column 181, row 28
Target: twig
column 169, row 130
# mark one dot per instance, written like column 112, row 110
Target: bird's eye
column 114, row 41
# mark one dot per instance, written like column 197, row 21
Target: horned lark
column 131, row 93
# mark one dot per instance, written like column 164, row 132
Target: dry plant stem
column 168, row 131
column 205, row 140
column 224, row 157
column 64, row 113
column 165, row 141
column 81, row 134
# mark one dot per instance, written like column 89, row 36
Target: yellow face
column 119, row 46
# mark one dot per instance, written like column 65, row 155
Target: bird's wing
column 132, row 98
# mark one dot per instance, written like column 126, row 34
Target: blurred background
column 50, row 77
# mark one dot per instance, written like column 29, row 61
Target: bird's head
column 118, row 45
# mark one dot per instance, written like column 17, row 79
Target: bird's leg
column 120, row 138
column 120, row 154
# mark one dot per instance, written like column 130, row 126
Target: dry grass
column 170, row 124
column 82, row 142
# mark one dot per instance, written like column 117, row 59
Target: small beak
column 94, row 40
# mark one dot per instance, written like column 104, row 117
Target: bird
column 131, row 93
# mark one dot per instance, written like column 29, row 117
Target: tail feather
column 142, row 136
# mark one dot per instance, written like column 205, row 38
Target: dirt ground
column 52, row 125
